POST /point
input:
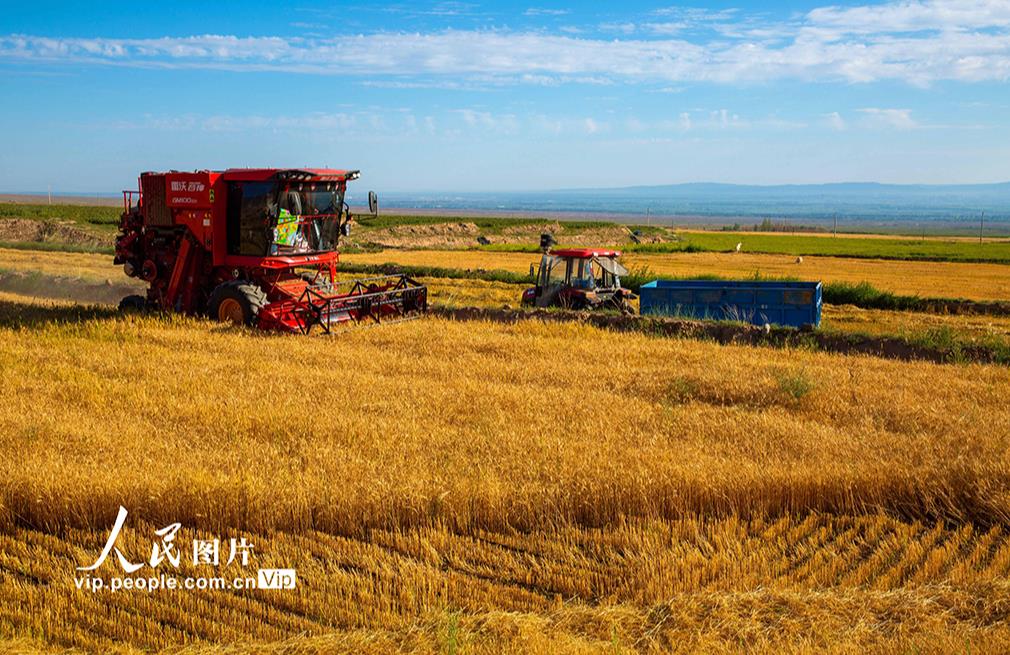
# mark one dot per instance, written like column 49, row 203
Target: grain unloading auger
column 254, row 247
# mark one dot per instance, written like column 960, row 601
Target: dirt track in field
column 66, row 288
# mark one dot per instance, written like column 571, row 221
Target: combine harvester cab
column 255, row 247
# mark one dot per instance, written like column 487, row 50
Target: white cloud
column 226, row 123
column 900, row 119
column 454, row 123
column 486, row 121
column 540, row 11
column 711, row 121
column 447, row 85
column 696, row 14
column 726, row 22
column 623, row 28
column 440, row 9
column 835, row 121
column 670, row 27
column 910, row 16
column 918, row 42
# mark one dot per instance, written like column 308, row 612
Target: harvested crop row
column 646, row 584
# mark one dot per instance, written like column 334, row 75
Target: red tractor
column 579, row 278
column 252, row 246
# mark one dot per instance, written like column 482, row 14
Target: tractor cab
column 579, row 278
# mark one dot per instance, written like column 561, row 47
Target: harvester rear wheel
column 237, row 302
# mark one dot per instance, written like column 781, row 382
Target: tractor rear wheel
column 238, row 302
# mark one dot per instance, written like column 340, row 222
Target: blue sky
column 468, row 96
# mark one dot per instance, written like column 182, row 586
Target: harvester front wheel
column 238, row 302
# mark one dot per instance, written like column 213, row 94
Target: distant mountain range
column 831, row 187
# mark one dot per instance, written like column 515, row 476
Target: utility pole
column 834, row 230
column 648, row 216
column 981, row 224
column 50, row 194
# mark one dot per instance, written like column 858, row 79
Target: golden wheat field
column 837, row 434
column 462, row 487
column 926, row 279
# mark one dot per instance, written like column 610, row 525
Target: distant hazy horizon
column 858, row 205
column 577, row 189
column 866, row 204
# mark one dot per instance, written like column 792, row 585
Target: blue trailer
column 796, row 304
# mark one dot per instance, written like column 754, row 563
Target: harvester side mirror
column 532, row 272
column 345, row 229
column 373, row 203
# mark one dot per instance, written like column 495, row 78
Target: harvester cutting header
column 253, row 246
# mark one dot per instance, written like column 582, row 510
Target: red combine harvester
column 253, row 246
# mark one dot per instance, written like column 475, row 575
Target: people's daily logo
column 206, row 563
